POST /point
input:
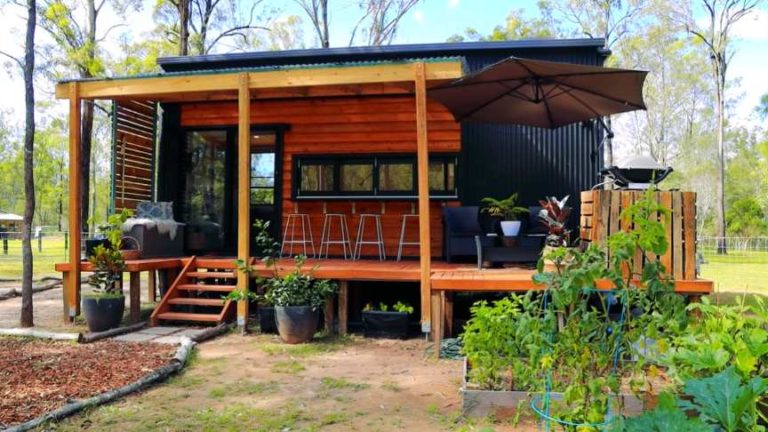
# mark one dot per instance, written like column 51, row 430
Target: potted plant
column 297, row 298
column 104, row 308
column 507, row 212
column 554, row 215
column 384, row 322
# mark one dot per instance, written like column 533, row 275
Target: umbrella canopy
column 541, row 93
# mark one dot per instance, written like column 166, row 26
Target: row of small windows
column 372, row 176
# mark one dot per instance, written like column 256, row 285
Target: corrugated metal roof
column 228, row 70
column 389, row 52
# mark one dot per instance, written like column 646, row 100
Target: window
column 317, row 177
column 396, row 176
column 393, row 176
column 356, row 176
column 262, row 178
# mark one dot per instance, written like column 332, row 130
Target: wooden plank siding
column 346, row 125
column 606, row 206
column 134, row 152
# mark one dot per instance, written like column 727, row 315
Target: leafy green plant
column 506, row 208
column 383, row 307
column 264, row 244
column 298, row 288
column 503, row 343
column 107, row 260
column 724, row 400
column 666, row 417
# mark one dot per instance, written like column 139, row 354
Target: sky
column 430, row 21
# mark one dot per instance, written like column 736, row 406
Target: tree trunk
column 86, row 140
column 27, row 315
column 720, row 190
column 324, row 39
column 183, row 7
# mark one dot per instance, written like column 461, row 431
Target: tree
column 198, row 27
column 27, row 66
column 73, row 27
column 762, row 109
column 317, row 11
column 611, row 20
column 380, row 20
column 516, row 27
column 721, row 17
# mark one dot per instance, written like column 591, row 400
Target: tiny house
column 312, row 140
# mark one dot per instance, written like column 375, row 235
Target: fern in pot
column 507, row 212
column 104, row 308
column 297, row 298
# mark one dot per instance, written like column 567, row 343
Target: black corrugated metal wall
column 497, row 160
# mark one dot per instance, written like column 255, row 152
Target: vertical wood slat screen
column 133, row 155
column 601, row 217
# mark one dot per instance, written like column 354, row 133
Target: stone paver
column 135, row 337
column 160, row 331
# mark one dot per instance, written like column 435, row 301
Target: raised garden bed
column 506, row 403
column 39, row 376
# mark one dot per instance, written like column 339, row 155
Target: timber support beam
column 422, row 169
column 243, row 194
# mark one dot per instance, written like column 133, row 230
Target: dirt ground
column 37, row 376
column 255, row 383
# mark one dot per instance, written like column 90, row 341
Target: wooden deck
column 444, row 277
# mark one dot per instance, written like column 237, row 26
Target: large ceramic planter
column 103, row 313
column 511, row 228
column 267, row 322
column 296, row 324
column 381, row 324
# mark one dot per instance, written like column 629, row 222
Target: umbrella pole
column 608, row 135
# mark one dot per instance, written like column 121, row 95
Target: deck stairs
column 197, row 293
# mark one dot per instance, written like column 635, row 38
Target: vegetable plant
column 383, row 307
column 107, row 260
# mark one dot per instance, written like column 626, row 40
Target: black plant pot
column 393, row 325
column 103, row 313
column 296, row 324
column 267, row 319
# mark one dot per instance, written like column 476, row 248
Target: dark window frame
column 377, row 160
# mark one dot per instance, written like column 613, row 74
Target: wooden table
column 134, row 268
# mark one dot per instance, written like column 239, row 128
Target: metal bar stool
column 303, row 241
column 403, row 224
column 379, row 240
column 326, row 240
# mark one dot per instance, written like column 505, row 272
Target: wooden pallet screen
column 133, row 153
column 601, row 217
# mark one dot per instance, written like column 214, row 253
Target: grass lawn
column 739, row 271
column 53, row 252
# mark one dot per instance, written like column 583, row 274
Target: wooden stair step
column 202, row 287
column 212, row 275
column 181, row 316
column 196, row 301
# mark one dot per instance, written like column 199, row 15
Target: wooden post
column 422, row 164
column 437, row 320
column 151, row 286
column 448, row 313
column 135, row 294
column 343, row 303
column 243, row 192
column 328, row 315
column 72, row 293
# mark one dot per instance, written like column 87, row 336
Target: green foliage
column 665, row 418
column 723, row 400
column 506, row 208
column 746, row 218
column 383, row 307
column 720, row 337
column 107, row 260
column 503, row 342
column 298, row 288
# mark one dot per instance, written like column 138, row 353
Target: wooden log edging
column 41, row 334
column 93, row 337
column 212, row 332
column 13, row 292
column 160, row 374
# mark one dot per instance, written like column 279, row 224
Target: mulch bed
column 37, row 376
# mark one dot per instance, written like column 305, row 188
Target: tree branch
column 16, row 60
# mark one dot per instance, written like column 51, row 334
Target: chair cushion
column 154, row 210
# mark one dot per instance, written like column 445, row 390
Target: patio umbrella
column 541, row 93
